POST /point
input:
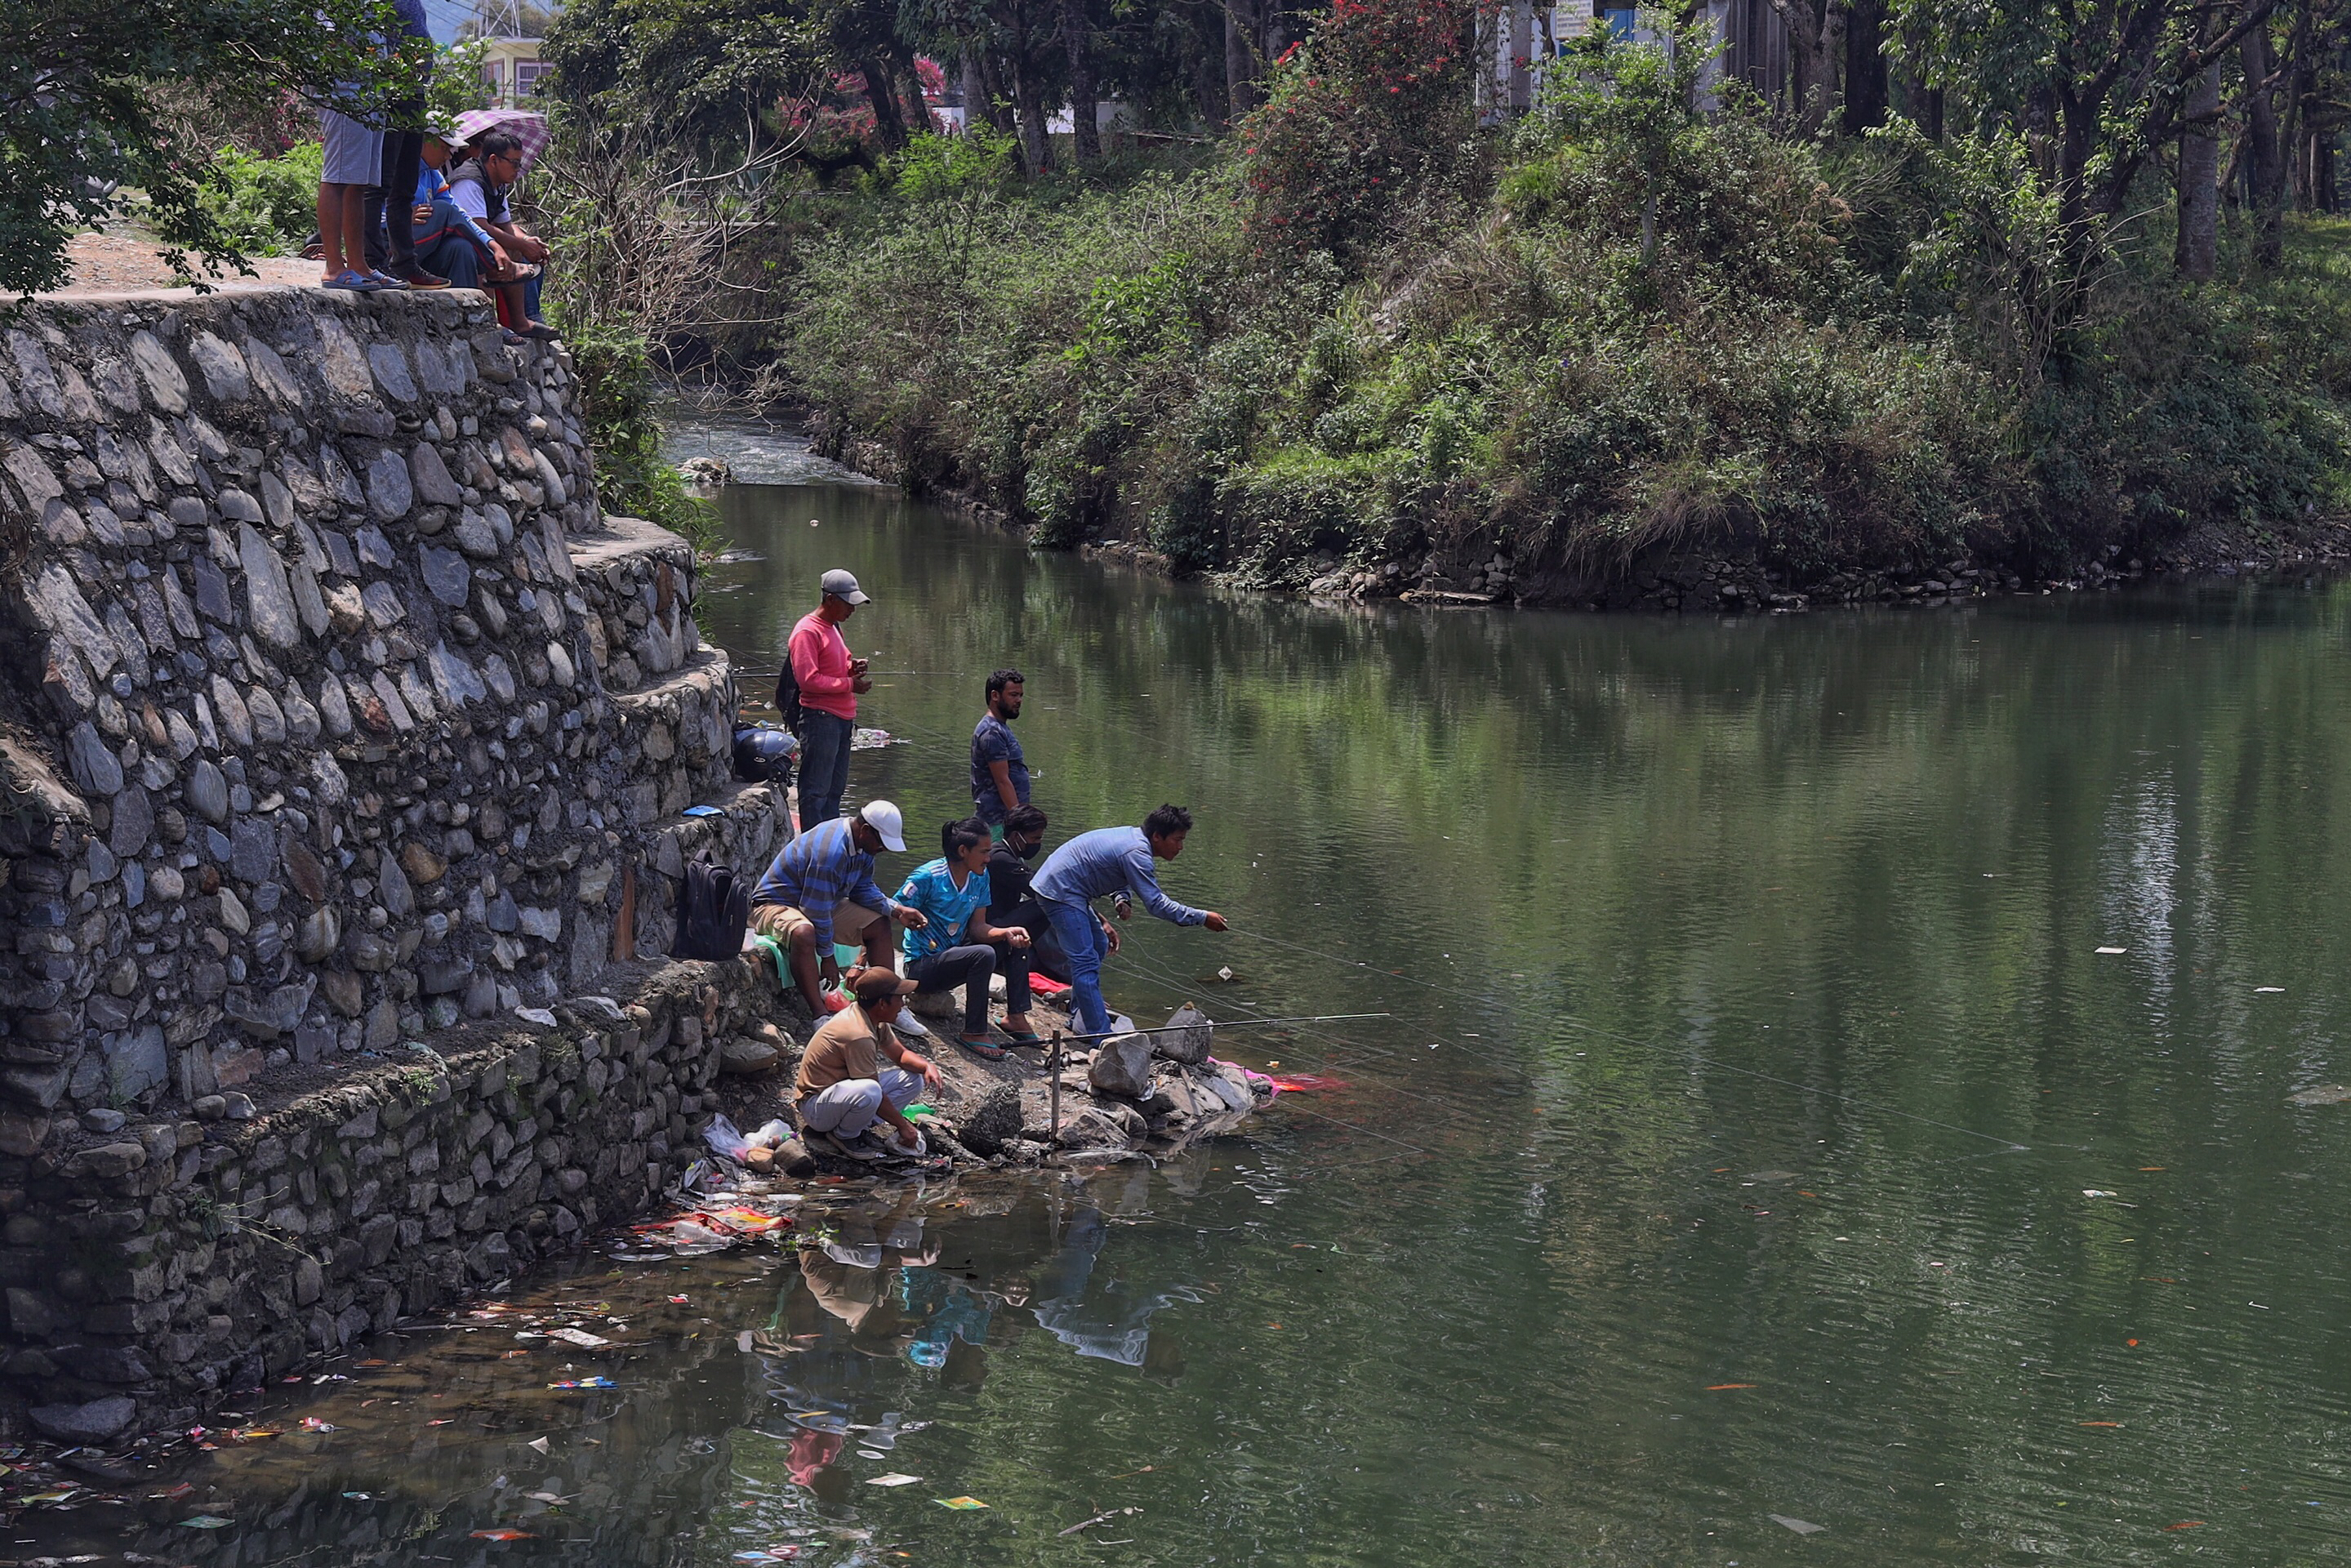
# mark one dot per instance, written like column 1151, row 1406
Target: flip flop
column 982, row 1049
column 1025, row 1037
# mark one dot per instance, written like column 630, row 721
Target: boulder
column 745, row 1057
column 993, row 1121
column 1122, row 1066
column 1187, row 1036
column 92, row 1423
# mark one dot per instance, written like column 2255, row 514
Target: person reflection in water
column 1110, row 1321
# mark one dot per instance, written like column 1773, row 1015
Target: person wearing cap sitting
column 821, row 889
column 830, row 682
column 1114, row 862
column 844, row 1088
column 957, row 946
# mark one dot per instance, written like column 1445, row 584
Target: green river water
column 1763, row 1163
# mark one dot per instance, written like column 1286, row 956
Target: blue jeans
column 824, row 766
column 1081, row 936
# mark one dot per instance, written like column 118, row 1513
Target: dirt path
column 112, row 264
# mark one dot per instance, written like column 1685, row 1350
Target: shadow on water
column 1761, row 1141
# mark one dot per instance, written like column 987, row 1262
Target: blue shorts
column 354, row 152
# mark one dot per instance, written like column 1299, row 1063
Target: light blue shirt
column 931, row 888
column 1109, row 859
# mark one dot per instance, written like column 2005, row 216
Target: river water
column 1765, row 1161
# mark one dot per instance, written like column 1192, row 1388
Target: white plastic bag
column 723, row 1139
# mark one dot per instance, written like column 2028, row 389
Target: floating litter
column 2113, row 951
column 893, row 1479
column 959, row 1503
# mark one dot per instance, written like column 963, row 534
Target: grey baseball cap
column 839, row 584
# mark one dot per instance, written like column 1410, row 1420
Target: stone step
column 750, row 822
column 674, row 739
column 638, row 582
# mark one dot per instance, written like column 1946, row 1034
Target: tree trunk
column 2195, row 249
column 889, row 125
column 1028, row 112
column 1815, row 39
column 1085, row 133
column 995, row 104
column 1865, row 82
column 2264, row 155
column 1241, row 58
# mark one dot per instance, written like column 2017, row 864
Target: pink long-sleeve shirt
column 821, row 664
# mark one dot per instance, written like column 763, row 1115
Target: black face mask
column 1027, row 854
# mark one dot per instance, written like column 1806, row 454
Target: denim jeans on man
column 824, row 766
column 1080, row 933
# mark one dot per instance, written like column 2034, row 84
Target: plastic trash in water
column 959, row 1503
column 585, row 1383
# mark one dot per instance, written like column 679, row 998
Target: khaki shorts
column 850, row 922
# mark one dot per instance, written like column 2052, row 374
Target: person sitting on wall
column 448, row 241
column 843, row 1088
column 822, row 886
column 958, row 946
column 482, row 187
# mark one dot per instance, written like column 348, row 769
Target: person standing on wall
column 1113, row 862
column 830, row 682
column 1000, row 773
column 387, row 208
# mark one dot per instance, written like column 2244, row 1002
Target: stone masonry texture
column 346, row 744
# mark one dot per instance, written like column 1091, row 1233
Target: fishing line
column 1679, row 1053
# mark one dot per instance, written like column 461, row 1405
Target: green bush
column 269, row 204
column 616, row 397
column 1654, row 329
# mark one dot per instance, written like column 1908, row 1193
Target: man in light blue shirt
column 1113, row 862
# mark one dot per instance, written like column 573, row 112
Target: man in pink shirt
column 830, row 682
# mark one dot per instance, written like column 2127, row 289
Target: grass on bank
column 1612, row 336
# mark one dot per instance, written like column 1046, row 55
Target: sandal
column 1027, row 1036
column 987, row 1050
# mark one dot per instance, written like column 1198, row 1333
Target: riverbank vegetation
column 2036, row 289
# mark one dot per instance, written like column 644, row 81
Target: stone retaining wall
column 183, row 1259
column 333, row 715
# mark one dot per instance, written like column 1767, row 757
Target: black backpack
column 787, row 695
column 713, row 906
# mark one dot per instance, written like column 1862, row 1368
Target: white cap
column 883, row 819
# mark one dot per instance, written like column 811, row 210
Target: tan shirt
column 843, row 1047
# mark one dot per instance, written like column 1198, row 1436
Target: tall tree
column 1085, row 129
column 2196, row 245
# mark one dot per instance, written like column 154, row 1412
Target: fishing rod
column 1246, row 1023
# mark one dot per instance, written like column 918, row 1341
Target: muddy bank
column 1722, row 578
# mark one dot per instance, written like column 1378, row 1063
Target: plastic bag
column 723, row 1139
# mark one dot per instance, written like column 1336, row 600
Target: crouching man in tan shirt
column 844, row 1089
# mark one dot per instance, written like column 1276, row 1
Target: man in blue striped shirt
column 1113, row 862
column 823, row 886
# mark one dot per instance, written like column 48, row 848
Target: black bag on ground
column 714, row 906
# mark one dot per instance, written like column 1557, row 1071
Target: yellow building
column 510, row 69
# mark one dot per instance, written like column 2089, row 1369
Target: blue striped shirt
column 821, row 868
column 1109, row 859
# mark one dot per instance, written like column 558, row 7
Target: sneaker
column 910, row 1026
column 860, row 1147
column 416, row 276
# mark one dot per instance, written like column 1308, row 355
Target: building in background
column 511, row 70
